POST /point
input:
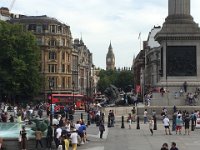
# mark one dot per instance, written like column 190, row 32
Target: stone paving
column 133, row 139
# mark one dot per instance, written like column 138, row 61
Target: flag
column 139, row 35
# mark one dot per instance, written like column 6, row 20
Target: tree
column 122, row 79
column 125, row 80
column 19, row 62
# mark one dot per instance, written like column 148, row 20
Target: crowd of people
column 67, row 132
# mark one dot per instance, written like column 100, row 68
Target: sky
column 102, row 21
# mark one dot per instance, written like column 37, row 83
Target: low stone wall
column 125, row 111
column 14, row 144
column 158, row 109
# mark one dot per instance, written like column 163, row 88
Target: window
column 39, row 28
column 59, row 29
column 63, row 55
column 52, row 68
column 53, row 28
column 52, row 42
column 32, row 27
column 52, row 82
column 69, row 81
column 52, row 55
column 63, row 67
column 39, row 41
column 63, row 82
column 68, row 68
column 63, row 42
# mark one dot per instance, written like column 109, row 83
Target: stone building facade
column 65, row 66
column 138, row 69
column 84, row 67
column 152, row 59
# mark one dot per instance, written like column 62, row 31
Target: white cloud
column 100, row 21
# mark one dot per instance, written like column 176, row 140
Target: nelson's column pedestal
column 180, row 50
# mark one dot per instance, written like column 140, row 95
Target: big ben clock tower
column 110, row 59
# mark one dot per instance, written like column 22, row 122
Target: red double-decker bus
column 69, row 100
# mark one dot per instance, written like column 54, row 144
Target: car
column 198, row 123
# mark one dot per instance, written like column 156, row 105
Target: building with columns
column 83, row 68
column 152, row 59
column 65, row 65
column 55, row 42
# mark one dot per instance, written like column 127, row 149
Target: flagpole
column 139, row 37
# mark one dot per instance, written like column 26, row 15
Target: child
column 130, row 122
column 151, row 125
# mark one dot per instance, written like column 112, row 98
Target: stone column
column 179, row 7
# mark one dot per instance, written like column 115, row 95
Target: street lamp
column 51, row 101
column 73, row 86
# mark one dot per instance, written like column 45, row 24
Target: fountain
column 9, row 132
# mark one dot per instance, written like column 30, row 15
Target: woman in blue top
column 179, row 124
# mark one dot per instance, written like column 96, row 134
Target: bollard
column 122, row 122
column 174, row 122
column 192, row 124
column 88, row 119
column 138, row 122
column 81, row 116
column 155, row 123
column 109, row 125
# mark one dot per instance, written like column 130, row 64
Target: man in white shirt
column 74, row 138
column 58, row 136
column 77, row 125
column 166, row 124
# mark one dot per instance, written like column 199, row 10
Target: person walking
column 49, row 137
column 166, row 125
column 58, row 133
column 151, row 122
column 74, row 139
column 66, row 143
column 38, row 138
column 187, row 124
column 173, row 146
column 23, row 138
column 101, row 129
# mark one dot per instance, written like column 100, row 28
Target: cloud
column 100, row 21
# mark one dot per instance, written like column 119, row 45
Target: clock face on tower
column 108, row 59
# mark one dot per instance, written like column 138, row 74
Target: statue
column 112, row 93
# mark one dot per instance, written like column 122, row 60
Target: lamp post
column 51, row 101
column 73, row 86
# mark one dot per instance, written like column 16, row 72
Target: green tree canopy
column 19, row 62
column 122, row 79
